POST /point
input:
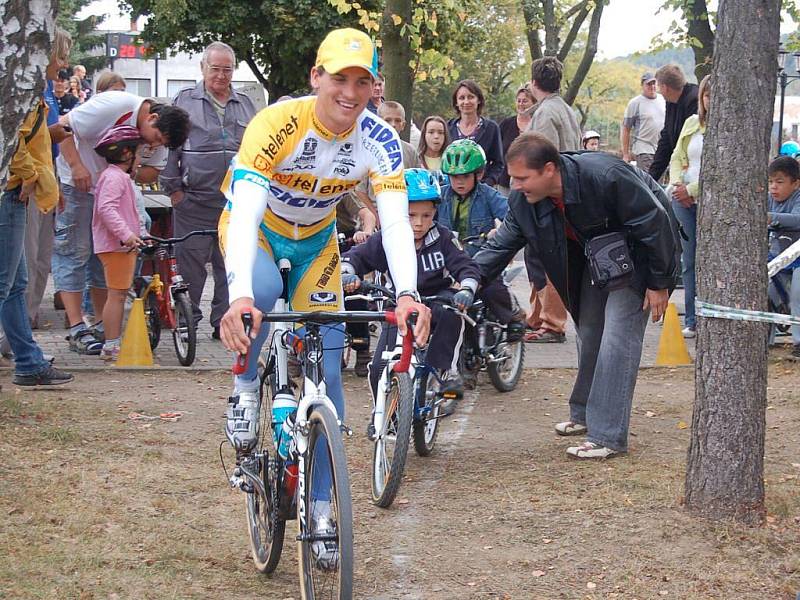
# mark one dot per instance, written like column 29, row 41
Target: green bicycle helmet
column 463, row 157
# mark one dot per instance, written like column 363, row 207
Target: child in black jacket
column 441, row 263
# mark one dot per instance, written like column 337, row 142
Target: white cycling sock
column 240, row 384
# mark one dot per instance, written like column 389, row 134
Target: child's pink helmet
column 116, row 140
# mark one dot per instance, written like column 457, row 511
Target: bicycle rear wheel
column 325, row 575
column 426, row 427
column 391, row 441
column 185, row 333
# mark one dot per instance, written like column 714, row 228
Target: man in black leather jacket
column 598, row 194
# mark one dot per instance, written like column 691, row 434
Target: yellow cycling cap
column 343, row 48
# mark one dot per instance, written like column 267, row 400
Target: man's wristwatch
column 413, row 293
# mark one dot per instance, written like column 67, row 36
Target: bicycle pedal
column 345, row 430
column 371, row 433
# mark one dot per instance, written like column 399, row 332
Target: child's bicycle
column 279, row 489
column 407, row 406
column 780, row 284
column 166, row 296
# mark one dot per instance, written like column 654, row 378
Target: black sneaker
column 515, row 331
column 215, row 333
column 796, row 351
column 452, row 391
column 84, row 342
column 48, row 376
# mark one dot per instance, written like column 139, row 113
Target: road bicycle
column 279, row 489
column 165, row 296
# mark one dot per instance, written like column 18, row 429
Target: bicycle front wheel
column 152, row 319
column 505, row 370
column 426, row 427
column 326, row 552
column 265, row 527
column 391, row 440
column 185, row 333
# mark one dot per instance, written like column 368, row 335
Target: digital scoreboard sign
column 124, row 45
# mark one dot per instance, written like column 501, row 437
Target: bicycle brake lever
column 240, row 365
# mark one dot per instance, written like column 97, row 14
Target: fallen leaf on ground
column 170, row 416
column 650, row 414
column 682, row 425
column 134, row 416
column 538, row 573
column 591, row 585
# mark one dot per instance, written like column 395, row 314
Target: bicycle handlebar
column 168, row 241
column 323, row 317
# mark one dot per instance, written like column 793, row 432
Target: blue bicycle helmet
column 790, row 148
column 421, row 185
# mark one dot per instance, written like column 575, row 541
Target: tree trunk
column 26, row 29
column 397, row 58
column 272, row 92
column 725, row 471
column 701, row 38
column 588, row 55
column 532, row 25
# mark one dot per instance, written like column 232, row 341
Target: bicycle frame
column 166, row 280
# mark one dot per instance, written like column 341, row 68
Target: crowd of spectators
column 186, row 147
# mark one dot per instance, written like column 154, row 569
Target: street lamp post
column 783, row 80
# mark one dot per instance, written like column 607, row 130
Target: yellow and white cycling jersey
column 306, row 169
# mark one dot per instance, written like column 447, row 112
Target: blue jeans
column 610, row 334
column 13, row 282
column 687, row 217
column 75, row 265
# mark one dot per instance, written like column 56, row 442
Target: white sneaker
column 689, row 332
column 325, row 552
column 570, row 428
column 591, row 450
column 241, row 427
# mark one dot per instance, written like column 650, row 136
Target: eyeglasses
column 215, row 70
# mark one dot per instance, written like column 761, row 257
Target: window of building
column 140, row 87
column 176, row 85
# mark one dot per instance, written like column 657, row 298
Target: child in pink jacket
column 115, row 227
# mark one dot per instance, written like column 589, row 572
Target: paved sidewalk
column 212, row 355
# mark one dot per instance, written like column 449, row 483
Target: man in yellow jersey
column 297, row 160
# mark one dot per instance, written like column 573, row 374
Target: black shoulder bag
column 609, row 259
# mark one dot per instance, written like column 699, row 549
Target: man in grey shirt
column 194, row 172
column 642, row 124
column 556, row 121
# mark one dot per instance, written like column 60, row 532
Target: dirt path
column 96, row 504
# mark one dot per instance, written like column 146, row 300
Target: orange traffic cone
column 672, row 347
column 135, row 348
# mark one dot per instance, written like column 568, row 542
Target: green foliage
column 278, row 38
column 677, row 33
column 84, row 38
column 605, row 93
column 475, row 53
